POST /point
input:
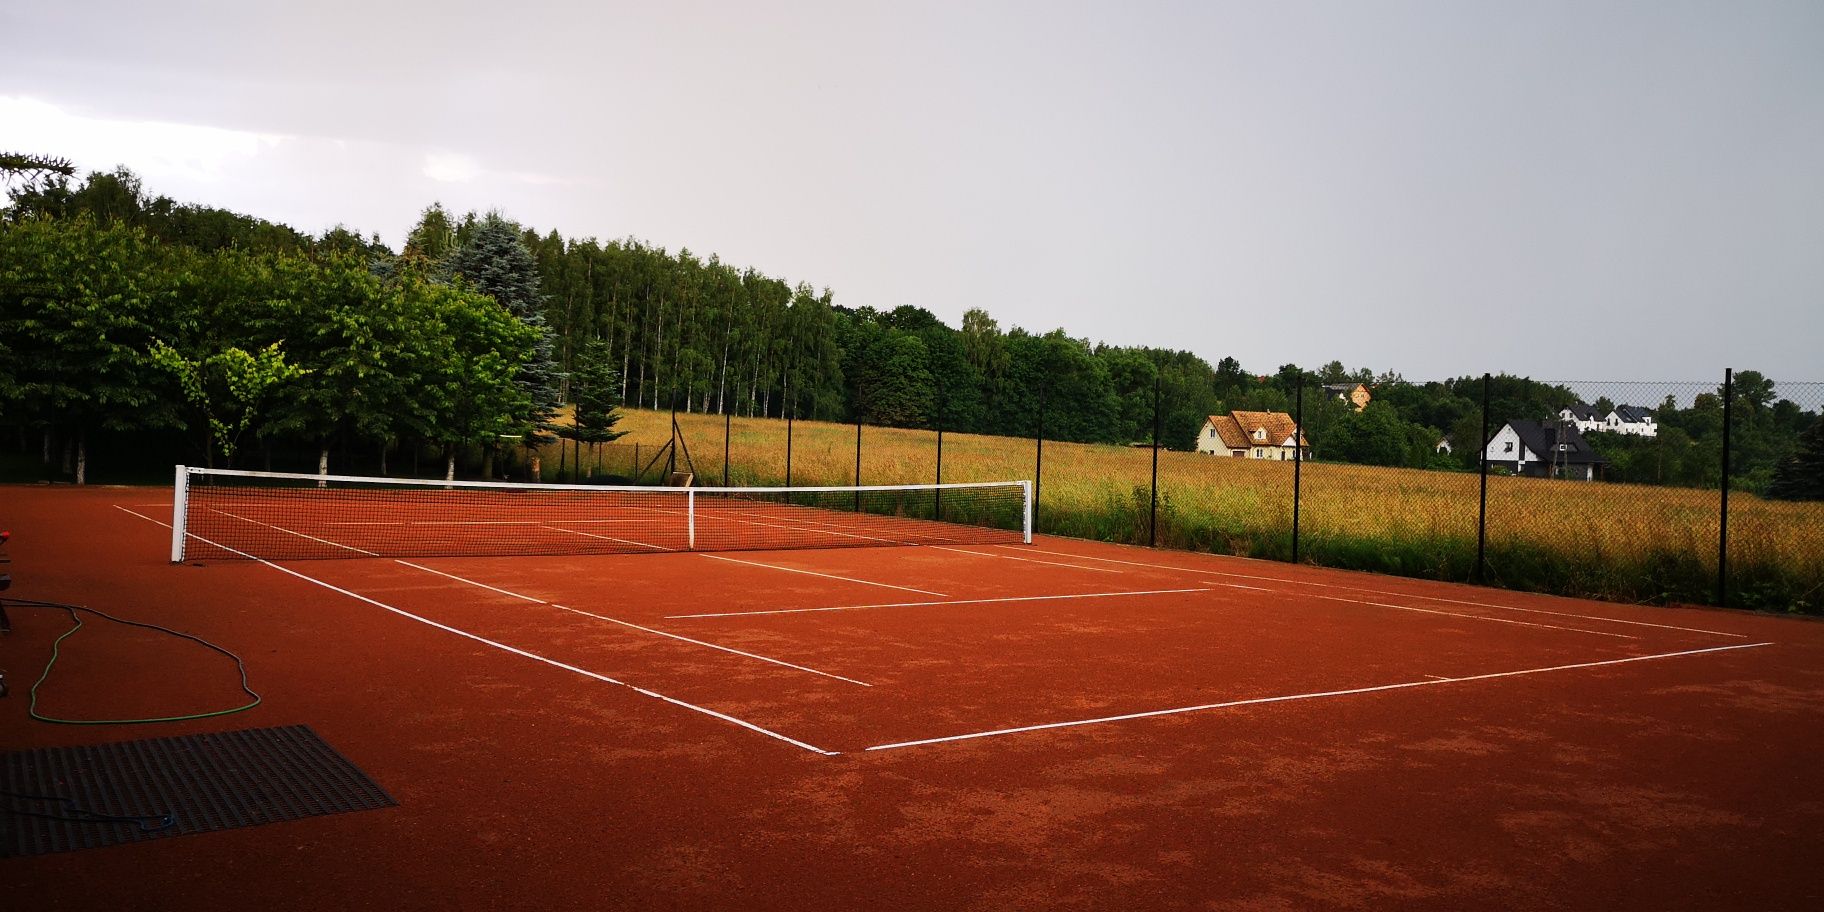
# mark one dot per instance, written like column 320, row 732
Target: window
column 1507, row 447
column 1260, row 433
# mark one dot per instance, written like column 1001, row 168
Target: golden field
column 1627, row 542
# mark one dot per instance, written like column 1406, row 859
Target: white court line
column 708, row 517
column 1306, row 696
column 1437, row 677
column 466, row 522
column 624, row 541
column 1026, row 559
column 432, row 522
column 512, row 649
column 848, row 579
column 1237, row 586
column 603, row 617
column 980, row 601
column 1475, row 617
column 1429, row 598
column 284, row 530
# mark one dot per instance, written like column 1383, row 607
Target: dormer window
column 1260, row 433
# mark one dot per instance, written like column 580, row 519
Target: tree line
column 238, row 329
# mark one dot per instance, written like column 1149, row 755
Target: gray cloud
column 1561, row 190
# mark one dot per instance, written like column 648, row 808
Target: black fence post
column 1152, row 525
column 1038, row 463
column 1722, row 525
column 1482, row 508
column 937, row 494
column 1298, row 460
column 858, row 458
column 728, row 421
column 790, row 413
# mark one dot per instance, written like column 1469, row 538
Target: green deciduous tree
column 227, row 387
column 80, row 302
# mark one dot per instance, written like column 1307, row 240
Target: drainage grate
column 215, row 781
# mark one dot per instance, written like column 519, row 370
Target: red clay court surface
column 1061, row 725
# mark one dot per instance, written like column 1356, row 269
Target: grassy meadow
column 1634, row 543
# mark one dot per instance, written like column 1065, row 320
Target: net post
column 180, row 501
column 1026, row 512
column 690, row 513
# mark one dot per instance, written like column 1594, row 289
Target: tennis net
column 222, row 514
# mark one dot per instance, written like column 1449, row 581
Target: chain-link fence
column 1615, row 490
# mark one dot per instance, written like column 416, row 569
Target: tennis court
column 969, row 721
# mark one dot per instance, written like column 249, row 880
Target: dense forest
column 121, row 311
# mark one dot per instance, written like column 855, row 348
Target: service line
column 1028, row 560
column 846, row 579
column 284, row 530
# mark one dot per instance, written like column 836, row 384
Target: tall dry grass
column 1620, row 542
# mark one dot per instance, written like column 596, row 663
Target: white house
column 1622, row 419
column 1543, row 449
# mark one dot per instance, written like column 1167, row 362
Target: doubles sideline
column 514, row 649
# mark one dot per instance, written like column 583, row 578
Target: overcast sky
column 1563, row 190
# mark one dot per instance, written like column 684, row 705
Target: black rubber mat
column 65, row 798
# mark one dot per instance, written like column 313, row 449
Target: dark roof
column 1582, row 411
column 1542, row 438
column 1633, row 413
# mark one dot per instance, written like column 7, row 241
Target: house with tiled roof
column 1544, row 449
column 1252, row 435
column 1356, row 394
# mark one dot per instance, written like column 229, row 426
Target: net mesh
column 275, row 516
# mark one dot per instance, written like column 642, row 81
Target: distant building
column 1353, row 393
column 1622, row 419
column 1544, row 449
column 1632, row 419
column 1253, row 435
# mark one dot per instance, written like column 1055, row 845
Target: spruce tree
column 1801, row 475
column 596, row 387
column 496, row 262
